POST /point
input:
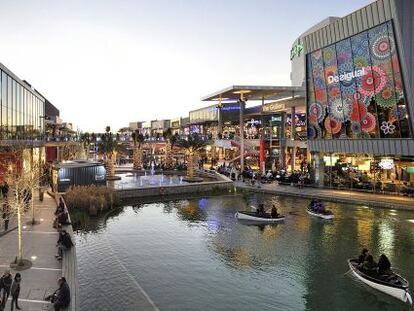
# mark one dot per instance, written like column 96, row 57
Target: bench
column 70, row 269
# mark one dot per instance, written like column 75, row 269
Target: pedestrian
column 6, row 213
column 15, row 291
column 5, row 286
column 5, row 189
column 64, row 243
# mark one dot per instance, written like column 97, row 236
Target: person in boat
column 274, row 213
column 260, row 210
column 384, row 265
column 314, row 204
column 363, row 256
column 369, row 266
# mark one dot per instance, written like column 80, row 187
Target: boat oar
column 350, row 270
column 408, row 296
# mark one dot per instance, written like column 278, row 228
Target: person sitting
column 61, row 297
column 61, row 207
column 321, row 208
column 261, row 209
column 274, row 213
column 384, row 265
column 363, row 256
column 313, row 205
column 369, row 266
column 64, row 243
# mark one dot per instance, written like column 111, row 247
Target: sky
column 103, row 62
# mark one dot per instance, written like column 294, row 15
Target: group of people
column 367, row 264
column 62, row 216
column 9, row 286
column 260, row 211
column 317, row 206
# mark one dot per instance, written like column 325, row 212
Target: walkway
column 39, row 246
column 343, row 196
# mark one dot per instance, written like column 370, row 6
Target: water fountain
column 171, row 181
column 181, row 180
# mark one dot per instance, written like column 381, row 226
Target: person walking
column 5, row 286
column 15, row 291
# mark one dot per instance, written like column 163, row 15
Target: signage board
column 274, row 107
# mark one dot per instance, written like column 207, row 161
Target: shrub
column 82, row 197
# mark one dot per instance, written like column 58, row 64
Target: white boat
column 252, row 216
column 320, row 215
column 396, row 286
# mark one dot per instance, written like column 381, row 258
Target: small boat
column 252, row 216
column 326, row 215
column 395, row 285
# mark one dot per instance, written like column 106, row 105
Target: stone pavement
column 333, row 195
column 39, row 246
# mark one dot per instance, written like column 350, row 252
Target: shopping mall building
column 359, row 97
column 22, row 122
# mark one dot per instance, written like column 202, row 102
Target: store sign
column 226, row 108
column 99, row 177
column 64, row 179
column 274, row 107
column 347, row 76
column 296, row 50
column 410, row 169
column 386, row 164
column 276, row 119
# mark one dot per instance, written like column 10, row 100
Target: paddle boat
column 253, row 216
column 326, row 214
column 393, row 284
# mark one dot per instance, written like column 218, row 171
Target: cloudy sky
column 105, row 62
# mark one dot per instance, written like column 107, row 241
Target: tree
column 138, row 140
column 34, row 177
column 110, row 148
column 170, row 140
column 192, row 144
column 73, row 150
column 22, row 179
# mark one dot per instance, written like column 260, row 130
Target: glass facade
column 355, row 89
column 22, row 111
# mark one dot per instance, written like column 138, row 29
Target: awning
column 255, row 93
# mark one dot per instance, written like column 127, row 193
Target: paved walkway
column 39, row 246
column 344, row 196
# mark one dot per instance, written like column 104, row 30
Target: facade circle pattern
column 373, row 81
column 383, row 47
column 369, row 123
column 332, row 126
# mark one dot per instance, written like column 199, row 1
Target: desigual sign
column 347, row 76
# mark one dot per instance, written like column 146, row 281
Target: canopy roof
column 251, row 92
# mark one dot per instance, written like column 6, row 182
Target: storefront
column 369, row 172
column 359, row 99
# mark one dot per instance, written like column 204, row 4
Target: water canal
column 192, row 254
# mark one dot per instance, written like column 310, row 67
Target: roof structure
column 251, row 92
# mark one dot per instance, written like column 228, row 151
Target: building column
column 242, row 106
column 319, row 168
column 220, row 120
column 293, row 158
column 293, row 123
column 282, row 142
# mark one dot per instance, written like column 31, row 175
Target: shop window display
column 355, row 90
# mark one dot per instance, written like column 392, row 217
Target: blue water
column 192, row 254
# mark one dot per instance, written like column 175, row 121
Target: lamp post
column 220, row 118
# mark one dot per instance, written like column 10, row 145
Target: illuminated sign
column 99, row 177
column 276, row 119
column 274, row 107
column 296, row 50
column 225, row 108
column 64, row 179
column 386, row 164
column 347, row 76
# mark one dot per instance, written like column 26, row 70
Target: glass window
column 355, row 88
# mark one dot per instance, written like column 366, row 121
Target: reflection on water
column 192, row 254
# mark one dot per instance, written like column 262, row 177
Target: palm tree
column 110, row 148
column 138, row 140
column 170, row 140
column 192, row 144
